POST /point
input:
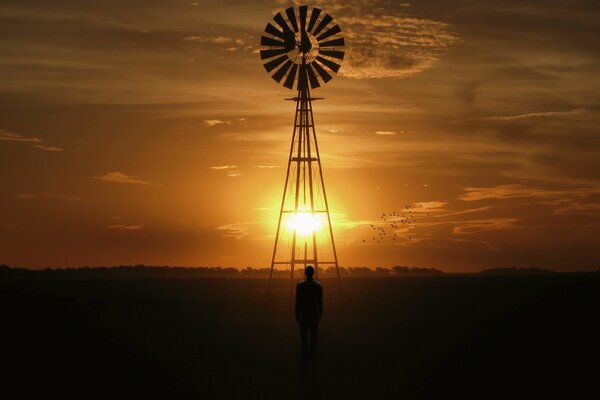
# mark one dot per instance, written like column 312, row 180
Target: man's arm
column 320, row 300
column 298, row 304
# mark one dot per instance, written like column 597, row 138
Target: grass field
column 385, row 338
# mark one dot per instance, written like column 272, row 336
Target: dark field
column 390, row 338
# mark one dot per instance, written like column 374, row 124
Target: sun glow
column 304, row 223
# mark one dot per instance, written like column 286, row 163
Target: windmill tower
column 303, row 53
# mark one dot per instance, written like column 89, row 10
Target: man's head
column 309, row 271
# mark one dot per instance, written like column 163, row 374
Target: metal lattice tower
column 306, row 53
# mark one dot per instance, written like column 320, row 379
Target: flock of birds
column 392, row 223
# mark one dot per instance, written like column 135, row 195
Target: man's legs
column 304, row 336
column 314, row 325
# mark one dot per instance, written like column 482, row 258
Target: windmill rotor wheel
column 302, row 52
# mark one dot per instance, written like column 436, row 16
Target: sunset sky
column 148, row 132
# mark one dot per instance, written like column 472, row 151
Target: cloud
column 224, row 167
column 546, row 114
column 126, row 227
column 467, row 211
column 483, row 225
column 267, row 166
column 394, row 132
column 54, row 196
column 511, row 191
column 215, row 122
column 48, row 148
column 579, row 208
column 457, row 243
column 120, row 177
column 15, row 137
column 220, row 41
column 569, row 201
column 386, row 41
column 211, row 39
column 232, row 170
column 236, row 230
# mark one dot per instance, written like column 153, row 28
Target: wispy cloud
column 579, row 208
column 48, row 148
column 483, row 225
column 267, row 166
column 214, row 39
column 401, row 132
column 468, row 211
column 224, row 167
column 547, row 114
column 386, row 41
column 53, row 196
column 232, row 170
column 15, row 137
column 120, row 177
column 126, row 227
column 215, row 122
column 566, row 201
column 236, row 230
column 511, row 191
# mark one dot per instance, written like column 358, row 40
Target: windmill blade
column 326, row 20
column 292, row 18
column 313, row 18
column 330, row 32
column 302, row 10
column 271, row 65
column 314, row 82
column 330, row 64
column 289, row 81
column 332, row 53
column 282, row 23
column 278, row 76
column 288, row 35
column 271, row 53
column 267, row 41
column 321, row 71
column 270, row 29
column 332, row 43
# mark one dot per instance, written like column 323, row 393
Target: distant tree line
column 144, row 271
column 137, row 271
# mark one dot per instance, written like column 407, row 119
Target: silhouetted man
column 309, row 309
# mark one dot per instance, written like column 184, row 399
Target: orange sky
column 148, row 132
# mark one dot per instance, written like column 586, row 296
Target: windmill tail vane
column 303, row 51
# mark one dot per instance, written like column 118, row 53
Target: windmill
column 303, row 52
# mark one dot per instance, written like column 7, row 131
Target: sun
column 304, row 223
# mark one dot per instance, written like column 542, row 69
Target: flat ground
column 390, row 338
